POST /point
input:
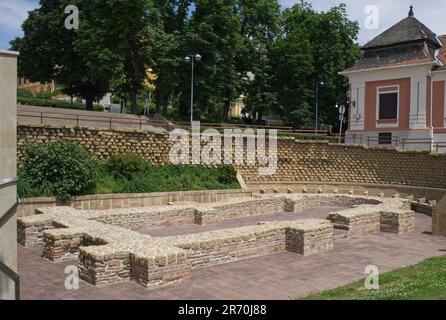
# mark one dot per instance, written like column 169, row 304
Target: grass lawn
column 152, row 179
column 424, row 281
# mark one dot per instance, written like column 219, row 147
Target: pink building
column 398, row 89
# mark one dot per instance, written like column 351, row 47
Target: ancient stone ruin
column 108, row 250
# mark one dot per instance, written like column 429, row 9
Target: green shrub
column 62, row 168
column 24, row 93
column 126, row 166
column 55, row 104
column 226, row 174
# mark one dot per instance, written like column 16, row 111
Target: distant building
column 398, row 89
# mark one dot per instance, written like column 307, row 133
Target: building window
column 385, row 138
column 388, row 106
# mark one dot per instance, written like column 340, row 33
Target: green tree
column 168, row 51
column 118, row 35
column 47, row 52
column 214, row 32
column 314, row 48
column 259, row 29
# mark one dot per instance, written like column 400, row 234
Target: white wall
column 8, row 145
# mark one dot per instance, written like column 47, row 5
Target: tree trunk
column 89, row 103
column 226, row 109
column 165, row 103
column 159, row 101
column 134, row 101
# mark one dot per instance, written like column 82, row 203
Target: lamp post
column 318, row 83
column 191, row 59
column 342, row 110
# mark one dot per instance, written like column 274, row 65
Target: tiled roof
column 408, row 54
column 442, row 54
column 406, row 43
column 409, row 29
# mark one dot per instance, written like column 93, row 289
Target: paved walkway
column 82, row 118
column 278, row 276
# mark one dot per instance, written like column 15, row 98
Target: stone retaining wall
column 298, row 161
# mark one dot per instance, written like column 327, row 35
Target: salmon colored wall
column 371, row 89
column 438, row 104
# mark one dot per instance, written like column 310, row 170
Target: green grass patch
column 167, row 178
column 423, row 281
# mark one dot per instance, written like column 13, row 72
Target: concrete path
column 82, row 118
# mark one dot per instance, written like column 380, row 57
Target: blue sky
column 14, row 12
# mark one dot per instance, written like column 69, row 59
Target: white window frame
column 378, row 93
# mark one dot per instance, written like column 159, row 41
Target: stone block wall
column 111, row 268
column 239, row 208
column 310, row 242
column 153, row 217
column 220, row 247
column 109, row 254
column 398, row 221
column 298, row 161
column 28, row 207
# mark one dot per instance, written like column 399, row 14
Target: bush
column 24, row 93
column 55, row 104
column 126, row 166
column 226, row 174
column 60, row 168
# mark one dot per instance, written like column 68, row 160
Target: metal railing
column 11, row 274
column 77, row 119
column 110, row 121
column 396, row 142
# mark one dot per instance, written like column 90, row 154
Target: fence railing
column 110, row 121
column 4, row 219
column 396, row 142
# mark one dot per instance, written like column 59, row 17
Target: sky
column 431, row 13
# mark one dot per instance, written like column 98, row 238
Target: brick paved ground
column 278, row 276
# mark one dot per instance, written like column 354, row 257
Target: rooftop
column 408, row 42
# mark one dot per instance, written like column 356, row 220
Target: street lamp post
column 342, row 110
column 317, row 104
column 191, row 59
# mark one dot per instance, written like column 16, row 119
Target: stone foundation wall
column 398, row 222
column 112, row 268
column 109, row 254
column 215, row 248
column 28, row 207
column 154, row 217
column 239, row 208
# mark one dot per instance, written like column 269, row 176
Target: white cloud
column 431, row 13
column 14, row 12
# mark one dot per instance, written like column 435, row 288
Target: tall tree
column 259, row 29
column 214, row 32
column 168, row 54
column 47, row 53
column 315, row 46
column 120, row 33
